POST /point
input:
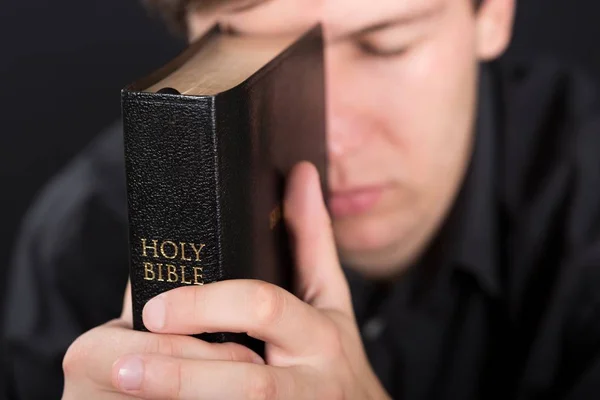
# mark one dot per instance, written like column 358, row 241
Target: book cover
column 209, row 140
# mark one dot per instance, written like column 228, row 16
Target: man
column 465, row 210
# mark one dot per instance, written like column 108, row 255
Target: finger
column 157, row 377
column 127, row 313
column 264, row 311
column 94, row 353
column 321, row 281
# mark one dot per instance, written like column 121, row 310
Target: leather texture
column 210, row 170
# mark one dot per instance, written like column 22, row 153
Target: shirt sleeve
column 68, row 275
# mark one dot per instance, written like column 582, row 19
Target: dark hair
column 174, row 11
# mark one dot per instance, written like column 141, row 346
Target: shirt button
column 373, row 328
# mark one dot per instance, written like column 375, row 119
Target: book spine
column 171, row 171
column 236, row 176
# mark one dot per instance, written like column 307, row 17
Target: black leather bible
column 209, row 140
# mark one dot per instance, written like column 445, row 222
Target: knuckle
column 73, row 358
column 261, row 385
column 269, row 304
column 173, row 377
column 167, row 346
column 182, row 381
column 78, row 353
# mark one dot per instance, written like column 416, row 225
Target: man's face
column 401, row 96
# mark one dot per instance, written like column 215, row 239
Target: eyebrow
column 248, row 5
column 386, row 24
column 353, row 34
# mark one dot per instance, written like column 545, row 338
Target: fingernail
column 131, row 374
column 155, row 313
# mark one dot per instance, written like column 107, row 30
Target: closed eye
column 372, row 50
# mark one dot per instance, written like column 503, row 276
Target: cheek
column 431, row 109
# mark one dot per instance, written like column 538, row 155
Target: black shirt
column 505, row 303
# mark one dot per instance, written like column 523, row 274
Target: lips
column 354, row 202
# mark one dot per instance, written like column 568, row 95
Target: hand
column 88, row 364
column 313, row 347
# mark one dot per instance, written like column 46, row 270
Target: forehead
column 338, row 16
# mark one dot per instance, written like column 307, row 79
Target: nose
column 344, row 135
column 346, row 127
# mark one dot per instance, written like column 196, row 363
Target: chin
column 365, row 245
column 378, row 245
column 364, row 235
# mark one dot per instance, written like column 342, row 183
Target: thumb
column 320, row 279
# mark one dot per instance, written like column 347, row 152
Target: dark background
column 63, row 63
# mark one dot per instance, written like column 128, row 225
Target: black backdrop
column 62, row 64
